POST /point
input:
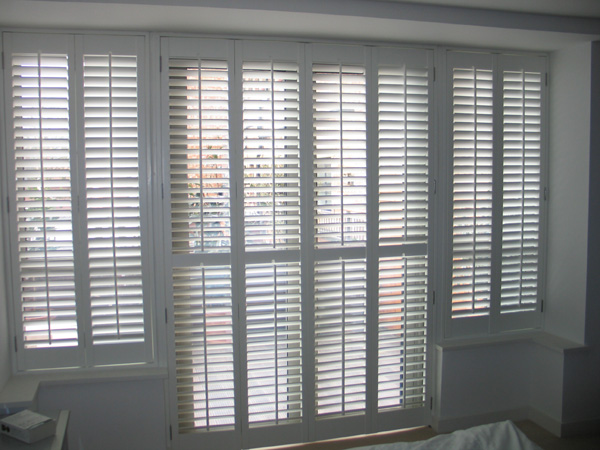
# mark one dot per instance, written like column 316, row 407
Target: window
column 299, row 238
column 76, row 204
column 300, row 187
column 497, row 107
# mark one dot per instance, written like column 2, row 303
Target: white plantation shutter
column 522, row 188
column 402, row 332
column 340, row 337
column 403, row 101
column 270, row 83
column 78, row 200
column 273, row 322
column 200, row 227
column 267, row 352
column 40, row 83
column 340, row 151
column 113, row 198
column 271, row 124
column 203, row 309
column 472, row 174
column 199, row 143
column 339, row 114
column 497, row 179
column 403, row 86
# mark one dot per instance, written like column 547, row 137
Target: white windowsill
column 542, row 338
column 21, row 389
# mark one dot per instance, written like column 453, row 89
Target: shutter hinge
column 16, row 346
column 546, row 78
column 160, row 64
column 545, row 194
column 2, row 60
column 434, row 186
column 166, row 316
column 431, row 403
column 434, row 74
column 433, row 297
column 7, row 205
column 162, row 191
column 170, row 432
column 542, row 306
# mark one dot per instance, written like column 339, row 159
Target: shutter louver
column 403, row 154
column 402, row 332
column 199, row 142
column 204, row 347
column 340, row 337
column 43, row 199
column 271, row 120
column 472, row 113
column 340, row 142
column 113, row 198
column 522, row 110
column 274, row 356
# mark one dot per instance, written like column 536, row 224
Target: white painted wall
column 569, row 189
column 128, row 415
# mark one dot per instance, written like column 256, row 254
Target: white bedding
column 496, row 436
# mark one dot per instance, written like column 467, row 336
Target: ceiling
column 542, row 25
column 574, row 8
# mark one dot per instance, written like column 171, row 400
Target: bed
column 496, row 436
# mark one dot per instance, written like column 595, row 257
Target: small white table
column 56, row 442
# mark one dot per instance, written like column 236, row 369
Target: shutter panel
column 340, row 337
column 271, row 120
column 472, row 167
column 339, row 123
column 271, row 171
column 403, row 153
column 201, row 243
column 113, row 198
column 402, row 332
column 339, row 208
column 522, row 111
column 43, row 199
column 199, row 142
column 202, row 304
column 273, row 323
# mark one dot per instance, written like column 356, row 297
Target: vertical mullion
column 475, row 161
column 341, row 115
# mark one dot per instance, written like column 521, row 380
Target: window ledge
column 541, row 338
column 21, row 389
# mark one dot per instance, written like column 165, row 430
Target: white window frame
column 492, row 322
column 83, row 354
